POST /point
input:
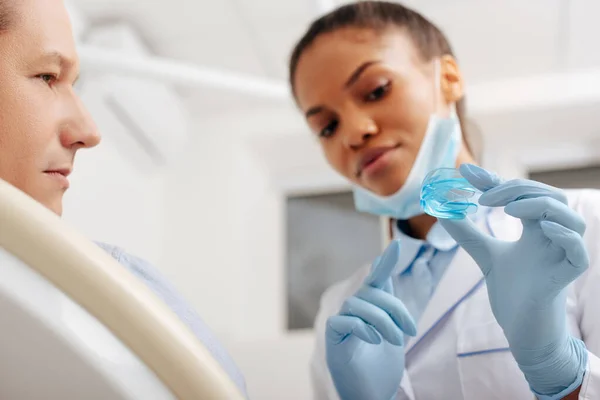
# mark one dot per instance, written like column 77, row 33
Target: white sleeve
column 322, row 383
column 587, row 292
column 590, row 388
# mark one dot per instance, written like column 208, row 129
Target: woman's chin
column 385, row 190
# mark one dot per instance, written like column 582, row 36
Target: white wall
column 116, row 200
column 285, row 374
column 267, row 156
column 212, row 220
column 224, row 248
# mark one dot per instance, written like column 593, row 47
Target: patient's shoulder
column 138, row 267
column 149, row 275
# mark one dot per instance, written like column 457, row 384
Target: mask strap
column 437, row 83
column 437, row 71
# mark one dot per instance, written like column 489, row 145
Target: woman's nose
column 359, row 129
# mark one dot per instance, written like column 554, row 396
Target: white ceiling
column 493, row 40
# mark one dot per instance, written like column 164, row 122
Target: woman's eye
column 329, row 130
column 379, row 92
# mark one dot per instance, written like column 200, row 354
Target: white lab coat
column 460, row 351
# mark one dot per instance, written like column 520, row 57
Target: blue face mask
column 439, row 149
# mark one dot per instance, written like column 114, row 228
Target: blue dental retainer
column 446, row 194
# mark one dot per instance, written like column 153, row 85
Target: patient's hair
column 428, row 39
column 7, row 14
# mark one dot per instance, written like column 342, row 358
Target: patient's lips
column 60, row 175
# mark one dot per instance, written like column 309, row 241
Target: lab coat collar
column 437, row 237
column 462, row 278
column 409, row 249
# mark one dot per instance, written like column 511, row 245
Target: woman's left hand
column 527, row 279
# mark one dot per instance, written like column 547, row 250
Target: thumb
column 468, row 236
column 480, row 178
column 576, row 256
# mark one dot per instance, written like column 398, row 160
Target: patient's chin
column 57, row 208
column 55, row 205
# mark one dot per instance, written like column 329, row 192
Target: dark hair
column 429, row 41
column 6, row 15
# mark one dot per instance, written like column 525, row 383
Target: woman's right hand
column 365, row 341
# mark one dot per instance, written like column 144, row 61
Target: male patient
column 43, row 124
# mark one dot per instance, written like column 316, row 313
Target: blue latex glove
column 365, row 341
column 527, row 279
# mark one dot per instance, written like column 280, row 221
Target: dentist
column 489, row 307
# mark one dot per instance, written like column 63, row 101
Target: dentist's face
column 42, row 121
column 369, row 96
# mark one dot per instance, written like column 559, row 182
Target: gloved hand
column 365, row 341
column 527, row 279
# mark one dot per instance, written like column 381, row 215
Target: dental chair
column 75, row 325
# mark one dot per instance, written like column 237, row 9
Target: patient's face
column 42, row 121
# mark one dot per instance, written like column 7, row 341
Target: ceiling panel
column 584, row 31
column 276, row 49
column 494, row 43
column 275, row 26
column 209, row 33
column 512, row 38
column 517, row 38
column 255, row 36
column 272, row 10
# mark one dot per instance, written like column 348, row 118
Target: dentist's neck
column 422, row 224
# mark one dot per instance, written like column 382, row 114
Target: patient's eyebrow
column 56, row 57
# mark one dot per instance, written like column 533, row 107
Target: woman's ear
column 452, row 83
